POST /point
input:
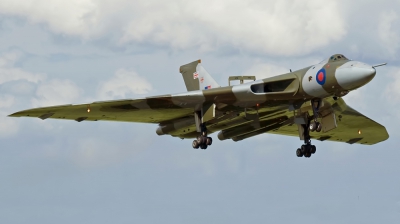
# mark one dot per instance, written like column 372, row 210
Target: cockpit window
column 337, row 57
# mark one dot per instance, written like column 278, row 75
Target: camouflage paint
column 271, row 100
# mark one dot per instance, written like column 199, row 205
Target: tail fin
column 196, row 77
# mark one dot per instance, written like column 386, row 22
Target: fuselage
column 335, row 76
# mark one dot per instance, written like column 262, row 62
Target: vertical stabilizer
column 188, row 72
column 205, row 79
column 196, row 77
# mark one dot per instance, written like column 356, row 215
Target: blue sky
column 64, row 171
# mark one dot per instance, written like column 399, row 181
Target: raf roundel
column 321, row 76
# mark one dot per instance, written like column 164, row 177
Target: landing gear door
column 329, row 122
column 207, row 112
column 301, row 131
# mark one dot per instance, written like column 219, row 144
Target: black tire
column 299, row 153
column 201, row 139
column 195, row 144
column 313, row 149
column 303, row 149
column 203, row 146
column 209, row 141
column 318, row 127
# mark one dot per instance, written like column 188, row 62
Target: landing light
column 88, row 109
column 359, row 132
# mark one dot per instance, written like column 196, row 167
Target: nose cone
column 353, row 75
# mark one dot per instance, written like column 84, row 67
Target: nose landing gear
column 315, row 125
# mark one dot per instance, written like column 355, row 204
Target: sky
column 54, row 53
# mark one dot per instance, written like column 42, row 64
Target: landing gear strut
column 306, row 149
column 315, row 125
column 202, row 140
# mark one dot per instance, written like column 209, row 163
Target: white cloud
column 356, row 99
column 8, row 127
column 8, row 71
column 122, row 84
column 56, row 92
column 265, row 70
column 75, row 17
column 387, row 33
column 277, row 27
column 48, row 92
column 6, row 101
column 392, row 91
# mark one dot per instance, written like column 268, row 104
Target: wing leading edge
column 148, row 110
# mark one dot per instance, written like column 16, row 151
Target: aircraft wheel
column 313, row 149
column 203, row 146
column 299, row 153
column 303, row 149
column 313, row 126
column 195, row 144
column 307, row 155
column 201, row 139
column 318, row 127
column 209, row 141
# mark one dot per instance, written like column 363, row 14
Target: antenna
column 374, row 66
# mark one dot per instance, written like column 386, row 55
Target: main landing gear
column 202, row 140
column 307, row 149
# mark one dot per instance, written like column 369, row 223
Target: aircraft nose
column 370, row 73
column 353, row 75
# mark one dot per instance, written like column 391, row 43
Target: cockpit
column 337, row 57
